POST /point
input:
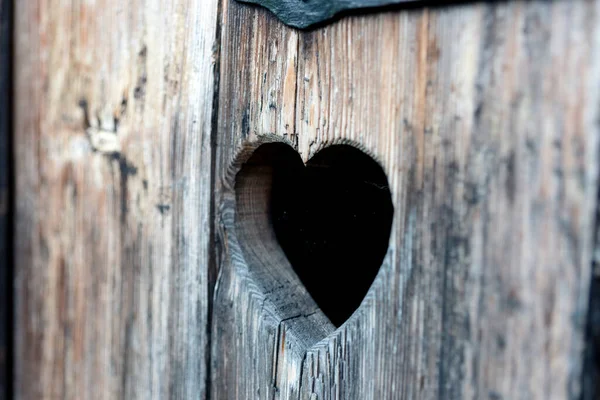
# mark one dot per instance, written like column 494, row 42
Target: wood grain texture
column 485, row 118
column 5, row 203
column 113, row 197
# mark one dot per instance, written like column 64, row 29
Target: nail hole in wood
column 332, row 218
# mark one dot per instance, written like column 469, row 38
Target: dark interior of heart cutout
column 332, row 218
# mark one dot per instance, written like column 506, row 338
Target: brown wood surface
column 485, row 118
column 112, row 147
column 5, row 201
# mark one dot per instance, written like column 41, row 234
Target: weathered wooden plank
column 484, row 117
column 113, row 130
column 5, row 195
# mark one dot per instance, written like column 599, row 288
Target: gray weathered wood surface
column 5, row 236
column 485, row 117
column 112, row 129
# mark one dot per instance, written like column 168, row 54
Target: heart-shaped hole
column 332, row 218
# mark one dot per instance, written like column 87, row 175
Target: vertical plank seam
column 212, row 270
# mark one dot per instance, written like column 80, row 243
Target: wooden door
column 146, row 265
